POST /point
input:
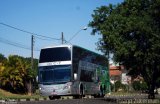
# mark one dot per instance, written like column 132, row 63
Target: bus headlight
column 66, row 87
column 41, row 88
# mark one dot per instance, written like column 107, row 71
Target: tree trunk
column 29, row 87
column 153, row 81
column 151, row 94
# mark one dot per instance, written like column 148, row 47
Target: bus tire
column 76, row 96
column 54, row 97
column 96, row 95
column 51, row 97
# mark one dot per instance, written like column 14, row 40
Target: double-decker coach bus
column 72, row 70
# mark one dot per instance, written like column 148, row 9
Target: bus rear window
column 55, row 54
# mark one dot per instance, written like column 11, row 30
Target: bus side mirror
column 75, row 76
column 37, row 79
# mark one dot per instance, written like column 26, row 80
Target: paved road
column 69, row 101
column 107, row 100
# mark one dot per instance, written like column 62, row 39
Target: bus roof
column 70, row 45
column 54, row 46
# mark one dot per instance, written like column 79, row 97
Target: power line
column 28, row 32
column 2, row 40
column 43, row 38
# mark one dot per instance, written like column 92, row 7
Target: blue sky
column 49, row 18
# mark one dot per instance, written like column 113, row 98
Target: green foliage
column 130, row 31
column 2, row 58
column 139, row 86
column 15, row 73
column 120, row 86
column 136, row 85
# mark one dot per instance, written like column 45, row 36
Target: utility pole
column 30, row 82
column 62, row 37
column 32, row 45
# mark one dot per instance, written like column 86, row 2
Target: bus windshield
column 55, row 54
column 54, row 74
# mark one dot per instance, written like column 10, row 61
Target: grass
column 122, row 93
column 8, row 95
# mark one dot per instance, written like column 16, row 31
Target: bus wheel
column 54, row 97
column 76, row 97
column 51, row 97
column 96, row 95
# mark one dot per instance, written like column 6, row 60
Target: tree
column 2, row 58
column 2, row 67
column 11, row 75
column 32, row 84
column 16, row 73
column 139, row 86
column 131, row 32
column 119, row 86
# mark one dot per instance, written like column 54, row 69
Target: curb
column 107, row 98
column 22, row 100
column 133, row 100
column 2, row 101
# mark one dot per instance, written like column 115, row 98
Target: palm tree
column 16, row 74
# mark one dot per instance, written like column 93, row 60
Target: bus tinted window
column 86, row 76
column 80, row 54
column 55, row 54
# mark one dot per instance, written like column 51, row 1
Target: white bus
column 73, row 71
